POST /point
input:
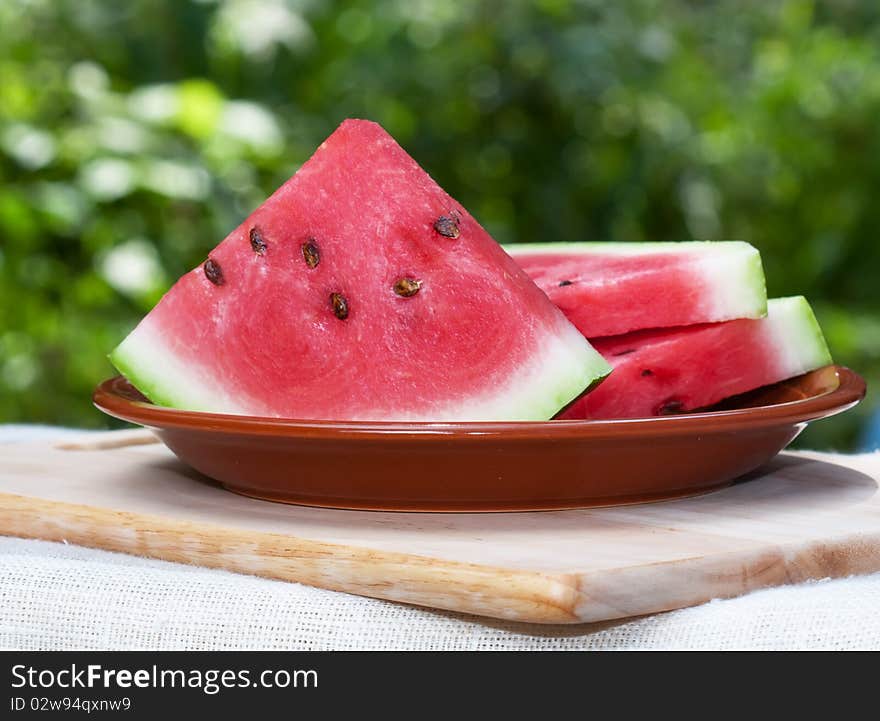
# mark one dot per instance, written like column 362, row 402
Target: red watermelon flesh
column 360, row 290
column 614, row 288
column 662, row 372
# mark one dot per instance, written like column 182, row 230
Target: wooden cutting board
column 805, row 516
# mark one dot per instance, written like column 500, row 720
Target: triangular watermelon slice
column 614, row 288
column 360, row 290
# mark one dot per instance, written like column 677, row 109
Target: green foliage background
column 134, row 135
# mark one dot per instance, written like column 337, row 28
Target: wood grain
column 99, row 441
column 803, row 517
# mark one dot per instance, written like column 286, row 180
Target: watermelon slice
column 360, row 290
column 614, row 288
column 681, row 369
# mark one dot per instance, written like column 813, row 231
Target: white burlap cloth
column 56, row 596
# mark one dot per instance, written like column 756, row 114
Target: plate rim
column 850, row 390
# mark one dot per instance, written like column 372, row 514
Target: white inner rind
column 563, row 365
column 145, row 358
column 736, row 278
column 686, row 247
column 793, row 332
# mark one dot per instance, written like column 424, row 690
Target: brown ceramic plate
column 490, row 466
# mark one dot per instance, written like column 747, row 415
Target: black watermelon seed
column 447, row 225
column 310, row 253
column 563, row 283
column 258, row 242
column 213, row 271
column 407, row 287
column 647, row 372
column 339, row 305
column 624, row 352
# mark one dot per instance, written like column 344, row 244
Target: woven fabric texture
column 55, row 596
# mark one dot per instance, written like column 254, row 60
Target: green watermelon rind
column 587, row 369
column 563, row 367
column 143, row 359
column 800, row 336
column 740, row 271
column 753, row 281
column 147, row 386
